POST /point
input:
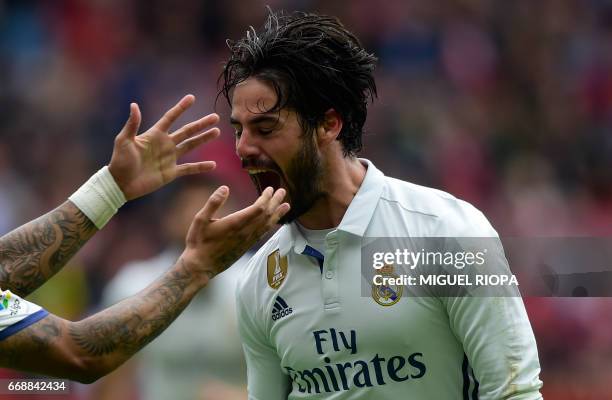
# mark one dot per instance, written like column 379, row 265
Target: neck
column 343, row 177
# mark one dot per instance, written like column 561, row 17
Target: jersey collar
column 357, row 216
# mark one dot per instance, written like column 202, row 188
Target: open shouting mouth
column 263, row 177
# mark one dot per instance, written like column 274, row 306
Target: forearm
column 91, row 348
column 107, row 339
column 34, row 252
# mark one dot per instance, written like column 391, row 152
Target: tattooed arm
column 34, row 252
column 93, row 347
column 89, row 349
column 140, row 164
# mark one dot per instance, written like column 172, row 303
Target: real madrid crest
column 277, row 269
column 387, row 295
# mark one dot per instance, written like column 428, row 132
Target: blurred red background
column 506, row 104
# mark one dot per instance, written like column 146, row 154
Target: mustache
column 254, row 163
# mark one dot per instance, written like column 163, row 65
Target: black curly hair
column 313, row 63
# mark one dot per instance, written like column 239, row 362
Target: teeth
column 257, row 171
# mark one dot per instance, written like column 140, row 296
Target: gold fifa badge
column 387, row 295
column 277, row 269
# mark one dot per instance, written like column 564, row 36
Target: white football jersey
column 309, row 332
column 17, row 314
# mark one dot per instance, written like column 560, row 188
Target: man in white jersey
column 299, row 89
column 31, row 339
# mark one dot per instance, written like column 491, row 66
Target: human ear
column 330, row 128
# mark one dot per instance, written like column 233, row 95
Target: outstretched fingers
column 130, row 129
column 194, row 128
column 278, row 207
column 190, row 144
column 172, row 114
column 200, row 227
column 250, row 213
column 195, row 168
column 265, row 212
column 213, row 204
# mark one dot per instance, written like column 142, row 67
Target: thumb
column 130, row 129
column 213, row 204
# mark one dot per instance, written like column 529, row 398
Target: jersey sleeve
column 17, row 314
column 266, row 380
column 496, row 334
column 499, row 345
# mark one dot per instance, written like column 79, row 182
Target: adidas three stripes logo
column 281, row 309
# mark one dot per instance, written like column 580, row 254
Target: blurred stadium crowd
column 506, row 104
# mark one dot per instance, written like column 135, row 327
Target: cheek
column 285, row 146
column 283, row 153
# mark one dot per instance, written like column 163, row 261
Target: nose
column 246, row 146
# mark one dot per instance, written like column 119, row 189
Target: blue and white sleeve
column 17, row 314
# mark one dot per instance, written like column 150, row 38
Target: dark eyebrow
column 256, row 120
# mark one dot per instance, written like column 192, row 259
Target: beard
column 303, row 180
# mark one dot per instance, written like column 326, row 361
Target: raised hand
column 213, row 244
column 143, row 163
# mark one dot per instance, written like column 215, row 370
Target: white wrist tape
column 99, row 198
